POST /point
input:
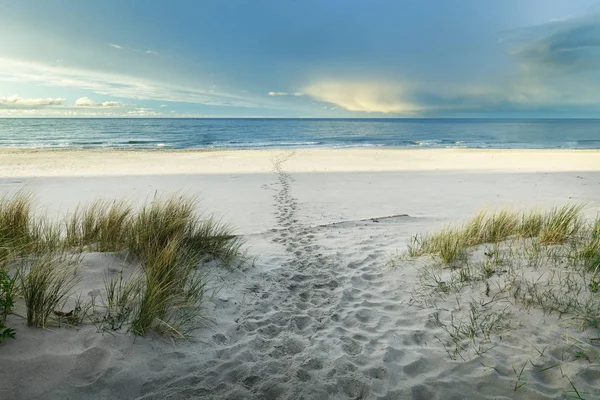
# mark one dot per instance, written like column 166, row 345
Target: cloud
column 114, row 85
column 16, row 102
column 285, row 94
column 566, row 45
column 557, row 68
column 152, row 52
column 365, row 96
column 87, row 102
column 116, row 46
column 143, row 112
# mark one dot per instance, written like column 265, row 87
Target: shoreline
column 121, row 162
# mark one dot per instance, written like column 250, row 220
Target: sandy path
column 278, row 348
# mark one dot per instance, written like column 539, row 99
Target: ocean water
column 288, row 133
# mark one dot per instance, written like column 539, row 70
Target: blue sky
column 292, row 58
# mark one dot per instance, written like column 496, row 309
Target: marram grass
column 166, row 239
column 450, row 244
column 548, row 261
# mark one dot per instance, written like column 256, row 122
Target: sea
column 266, row 133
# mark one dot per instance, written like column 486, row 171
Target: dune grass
column 15, row 223
column 102, row 226
column 511, row 261
column 45, row 283
column 166, row 242
column 450, row 244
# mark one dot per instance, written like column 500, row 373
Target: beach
column 323, row 310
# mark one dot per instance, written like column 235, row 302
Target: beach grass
column 102, row 226
column 166, row 242
column 511, row 261
column 45, row 283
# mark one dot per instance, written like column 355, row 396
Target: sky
column 300, row 58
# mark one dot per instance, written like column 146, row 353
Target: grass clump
column 503, row 263
column 45, row 283
column 560, row 224
column 169, row 242
column 451, row 243
column 171, row 292
column 103, row 226
column 531, row 224
column 162, row 288
column 15, row 223
column 7, row 302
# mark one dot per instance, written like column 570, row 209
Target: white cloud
column 87, row 102
column 143, row 112
column 152, row 52
column 365, row 96
column 113, row 85
column 285, row 94
column 116, row 46
column 16, row 102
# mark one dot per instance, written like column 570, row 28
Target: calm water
column 278, row 133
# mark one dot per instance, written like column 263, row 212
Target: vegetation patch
column 498, row 267
column 165, row 245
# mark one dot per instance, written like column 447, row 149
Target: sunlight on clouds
column 364, row 96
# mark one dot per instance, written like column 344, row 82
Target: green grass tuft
column 45, row 283
column 560, row 224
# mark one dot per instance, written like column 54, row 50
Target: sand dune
column 321, row 313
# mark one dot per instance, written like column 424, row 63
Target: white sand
column 320, row 315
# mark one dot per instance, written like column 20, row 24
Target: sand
column 320, row 314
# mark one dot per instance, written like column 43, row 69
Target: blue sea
column 254, row 133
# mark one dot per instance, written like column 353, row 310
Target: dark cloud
column 565, row 46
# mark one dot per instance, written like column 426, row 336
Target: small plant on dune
column 122, row 296
column 589, row 250
column 482, row 321
column 174, row 218
column 155, row 225
column 170, row 288
column 449, row 245
column 7, row 286
column 15, row 219
column 45, row 284
column 531, row 224
column 560, row 224
column 214, row 239
column 104, row 225
column 498, row 227
column 46, row 238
